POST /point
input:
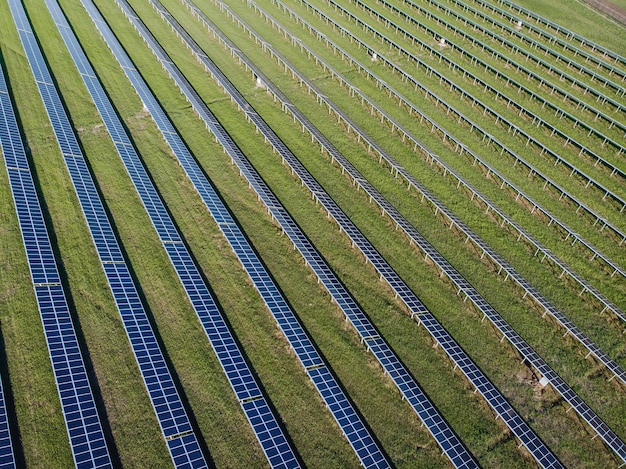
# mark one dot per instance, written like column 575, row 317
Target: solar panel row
column 165, row 399
column 86, row 437
column 9, row 144
column 543, row 455
column 7, row 458
column 462, row 149
column 230, row 356
column 353, row 428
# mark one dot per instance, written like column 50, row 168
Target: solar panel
column 166, row 402
column 543, row 454
column 272, row 440
column 600, row 221
column 284, row 316
column 7, row 459
column 86, row 436
column 186, row 452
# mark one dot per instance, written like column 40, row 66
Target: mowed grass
column 216, row 414
column 491, row 189
column 347, row 190
column 619, row 409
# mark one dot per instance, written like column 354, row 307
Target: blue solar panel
column 166, row 402
column 543, row 455
column 350, row 423
column 270, row 436
column 299, row 341
column 186, row 453
column 77, row 402
column 224, row 345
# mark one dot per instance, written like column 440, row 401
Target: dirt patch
column 609, row 8
column 143, row 114
column 528, row 378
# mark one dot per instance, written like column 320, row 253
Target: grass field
column 131, row 428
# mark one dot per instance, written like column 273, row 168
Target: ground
column 610, row 9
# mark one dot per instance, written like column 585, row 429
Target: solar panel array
column 455, row 221
column 264, row 422
column 335, row 399
column 508, row 79
column 528, row 56
column 86, row 437
column 600, row 222
column 594, row 421
column 387, row 208
column 184, row 445
column 360, row 182
column 542, row 454
column 505, row 268
column 567, row 139
column 461, row 148
column 410, row 390
column 543, row 149
column 569, row 35
column 171, row 415
column 497, row 37
column 526, row 39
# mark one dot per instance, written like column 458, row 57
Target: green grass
column 340, row 191
column 519, row 178
column 222, row 426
